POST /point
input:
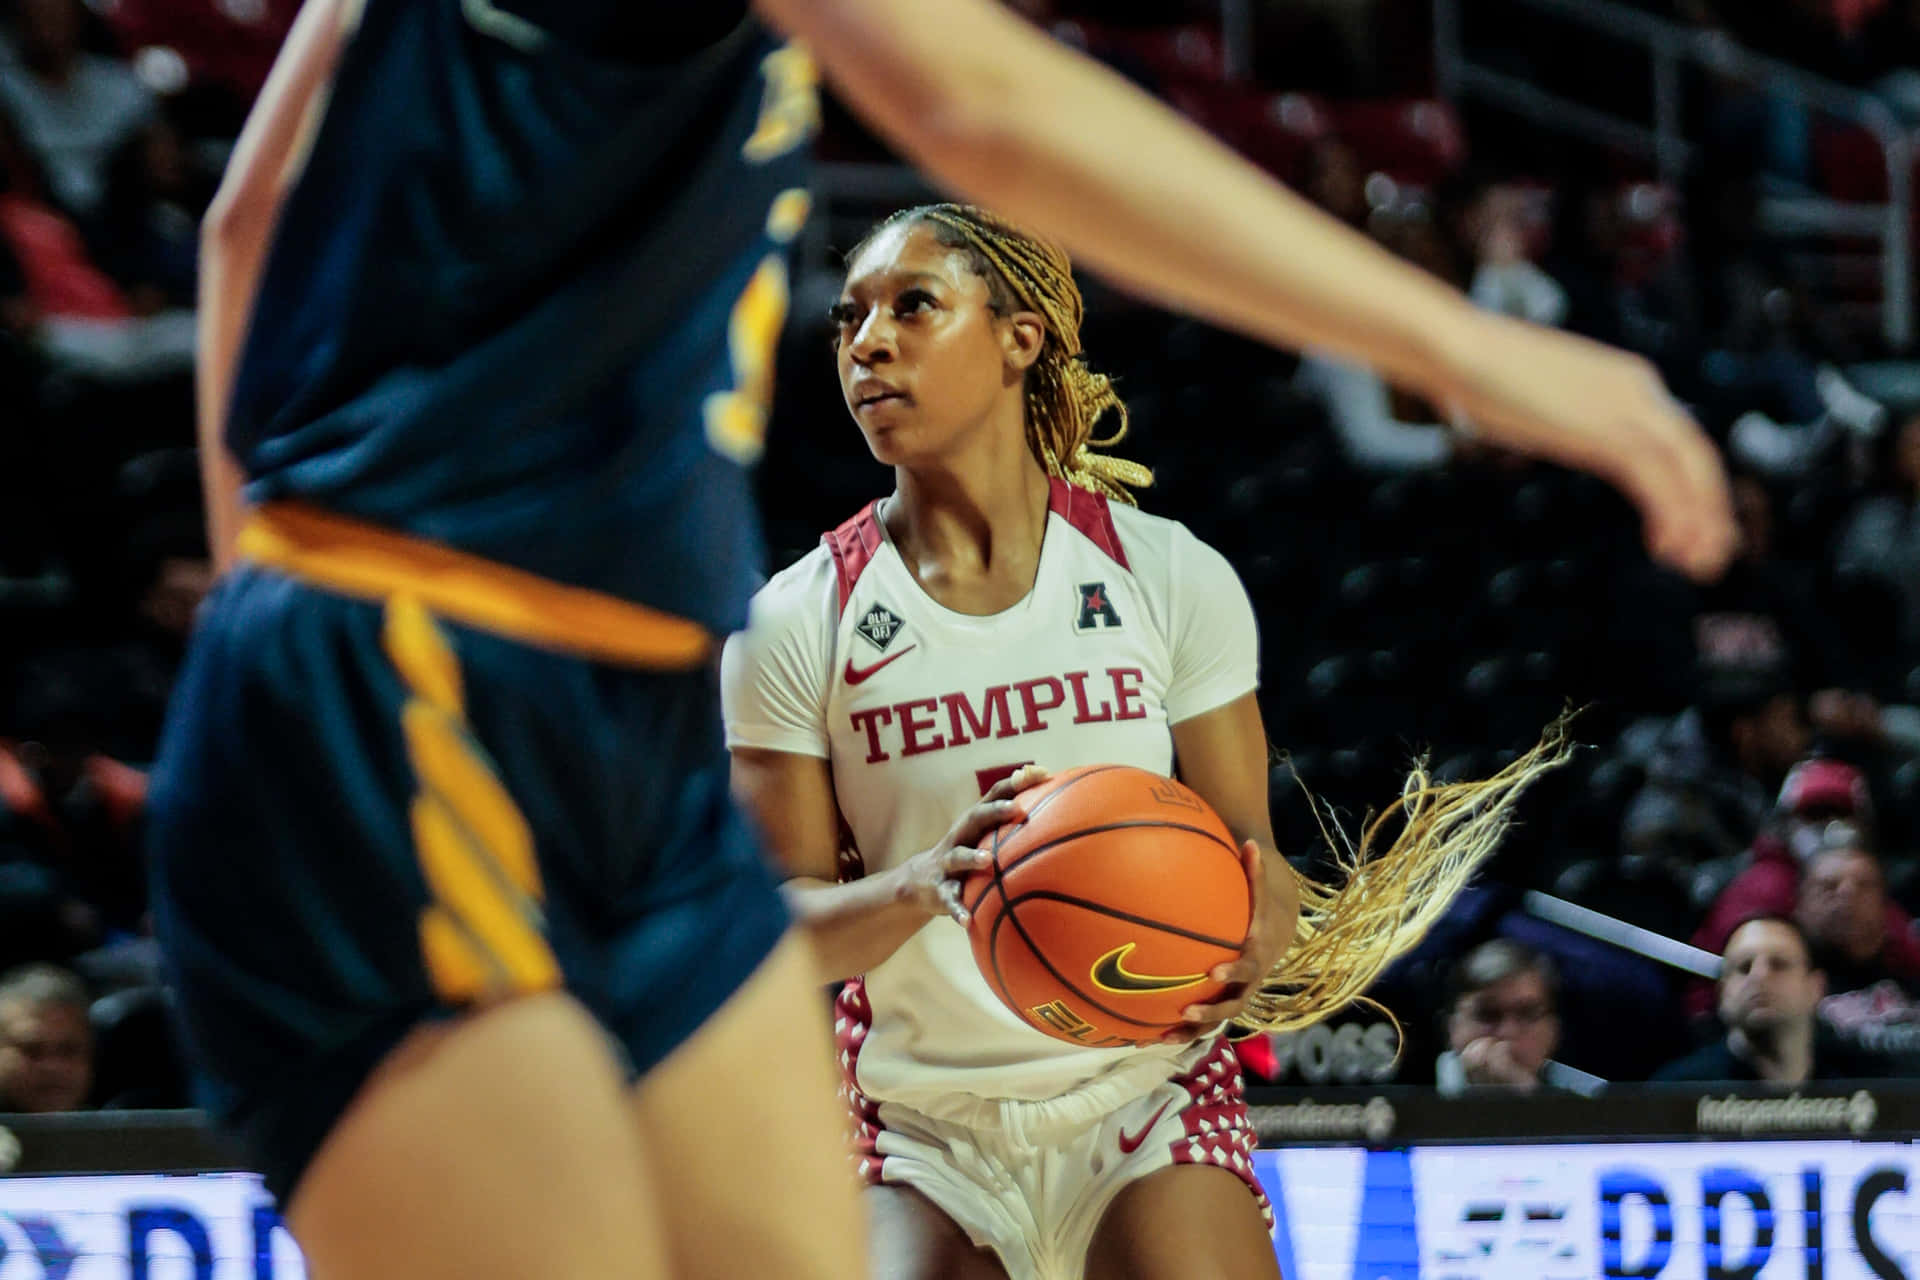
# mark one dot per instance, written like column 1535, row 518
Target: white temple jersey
column 1132, row 626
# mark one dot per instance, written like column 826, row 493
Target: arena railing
column 1670, row 47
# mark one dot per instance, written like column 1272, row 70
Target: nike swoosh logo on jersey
column 1130, row 1145
column 859, row 675
column 1110, row 974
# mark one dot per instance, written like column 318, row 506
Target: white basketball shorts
column 1036, row 1199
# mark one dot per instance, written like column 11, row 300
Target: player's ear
column 1022, row 335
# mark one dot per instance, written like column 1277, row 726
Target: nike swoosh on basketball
column 1130, row 1145
column 1110, row 974
column 858, row 675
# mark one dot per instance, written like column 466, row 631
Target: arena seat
column 1413, row 140
column 1188, row 51
column 1277, row 131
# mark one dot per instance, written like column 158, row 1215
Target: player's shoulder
column 1152, row 544
column 802, row 592
column 825, row 578
column 1133, row 540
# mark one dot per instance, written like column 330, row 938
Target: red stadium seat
column 228, row 43
column 1650, row 217
column 1190, row 51
column 1274, row 130
column 1849, row 163
column 1417, row 140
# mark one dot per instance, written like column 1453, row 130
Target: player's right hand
column 931, row 879
column 1573, row 401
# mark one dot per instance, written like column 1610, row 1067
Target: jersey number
column 790, row 110
column 789, row 115
column 737, row 419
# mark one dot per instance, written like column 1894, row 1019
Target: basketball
column 1103, row 913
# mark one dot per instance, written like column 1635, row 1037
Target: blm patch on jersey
column 879, row 625
column 1096, row 609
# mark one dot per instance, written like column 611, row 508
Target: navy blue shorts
column 364, row 816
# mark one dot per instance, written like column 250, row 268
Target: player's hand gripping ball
column 1107, row 905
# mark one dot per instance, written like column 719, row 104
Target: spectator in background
column 1842, row 909
column 1496, row 228
column 46, row 1042
column 1337, row 182
column 65, row 805
column 1880, row 542
column 1763, row 616
column 1503, row 1023
column 1872, row 964
column 1819, row 795
column 1380, row 428
column 150, row 225
column 1769, row 990
column 1614, row 295
column 1584, row 259
column 70, row 311
column 162, row 577
column 1711, row 770
column 75, row 109
column 1769, row 356
column 1822, row 803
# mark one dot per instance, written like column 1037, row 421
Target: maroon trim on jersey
column 1219, row 1129
column 853, row 546
column 1088, row 512
column 852, row 1019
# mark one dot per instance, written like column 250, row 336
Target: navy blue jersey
column 524, row 295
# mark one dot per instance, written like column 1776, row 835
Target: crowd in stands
column 1752, row 780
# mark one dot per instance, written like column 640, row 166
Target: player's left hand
column 1276, row 912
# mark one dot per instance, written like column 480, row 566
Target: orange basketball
column 1103, row 913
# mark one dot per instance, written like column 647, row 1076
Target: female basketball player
column 1005, row 607
column 489, row 299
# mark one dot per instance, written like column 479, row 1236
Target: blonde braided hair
column 1348, row 934
column 1064, row 398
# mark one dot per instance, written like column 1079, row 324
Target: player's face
column 924, row 361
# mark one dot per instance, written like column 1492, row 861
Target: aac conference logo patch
column 1096, row 608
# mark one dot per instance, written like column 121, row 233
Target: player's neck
column 970, row 530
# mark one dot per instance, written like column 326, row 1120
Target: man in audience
column 66, row 804
column 1711, row 770
column 1872, row 970
column 1503, row 1023
column 1823, row 803
column 46, row 1042
column 1769, row 992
